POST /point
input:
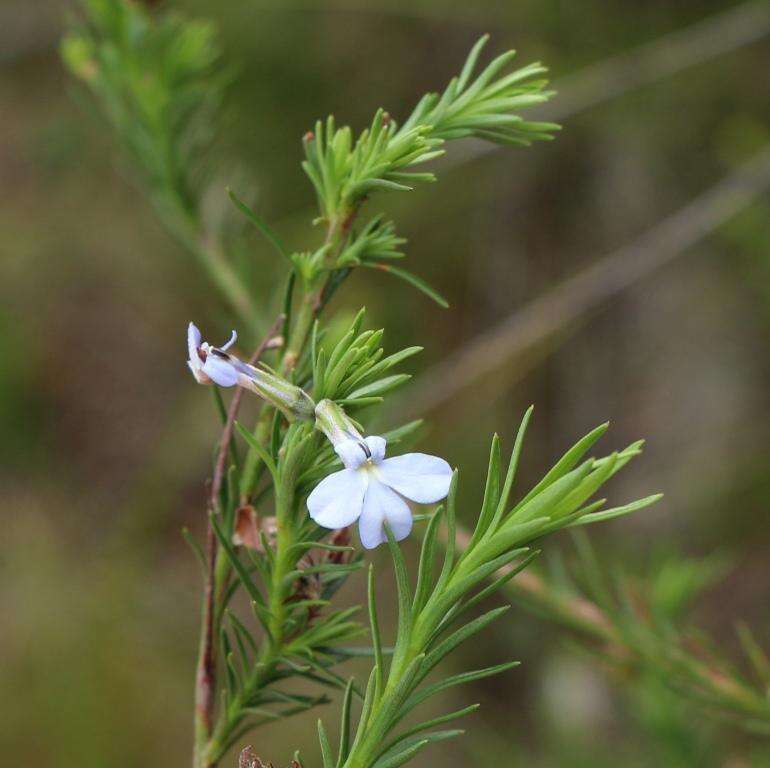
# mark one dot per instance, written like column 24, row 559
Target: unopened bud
column 287, row 397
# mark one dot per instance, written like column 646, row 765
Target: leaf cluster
column 160, row 82
column 344, row 171
column 287, row 566
column 353, row 372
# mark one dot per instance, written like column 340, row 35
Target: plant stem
column 312, row 299
column 303, row 322
column 205, row 676
column 184, row 224
column 310, row 305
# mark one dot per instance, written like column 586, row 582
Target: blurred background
column 106, row 442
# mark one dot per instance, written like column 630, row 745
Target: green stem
column 369, row 735
column 309, row 306
column 184, row 225
column 303, row 322
column 272, row 648
column 312, row 298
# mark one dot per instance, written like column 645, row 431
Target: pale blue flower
column 214, row 365
column 211, row 365
column 373, row 489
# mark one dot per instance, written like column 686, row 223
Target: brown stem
column 205, row 677
column 578, row 613
column 232, row 413
column 555, row 314
column 573, row 610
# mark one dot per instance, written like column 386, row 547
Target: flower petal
column 337, row 500
column 193, row 342
column 351, row 452
column 197, row 372
column 418, row 476
column 376, row 446
column 220, row 371
column 381, row 504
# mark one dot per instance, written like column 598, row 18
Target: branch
column 630, row 643
column 561, row 307
column 663, row 57
column 190, row 234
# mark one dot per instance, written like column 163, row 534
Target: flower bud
column 287, row 397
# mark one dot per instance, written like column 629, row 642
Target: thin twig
column 656, row 60
column 559, row 309
column 205, row 679
column 576, row 612
column 698, row 43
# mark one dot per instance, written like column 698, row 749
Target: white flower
column 372, row 489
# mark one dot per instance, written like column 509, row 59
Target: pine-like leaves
column 344, row 171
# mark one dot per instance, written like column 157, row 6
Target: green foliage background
column 106, row 440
